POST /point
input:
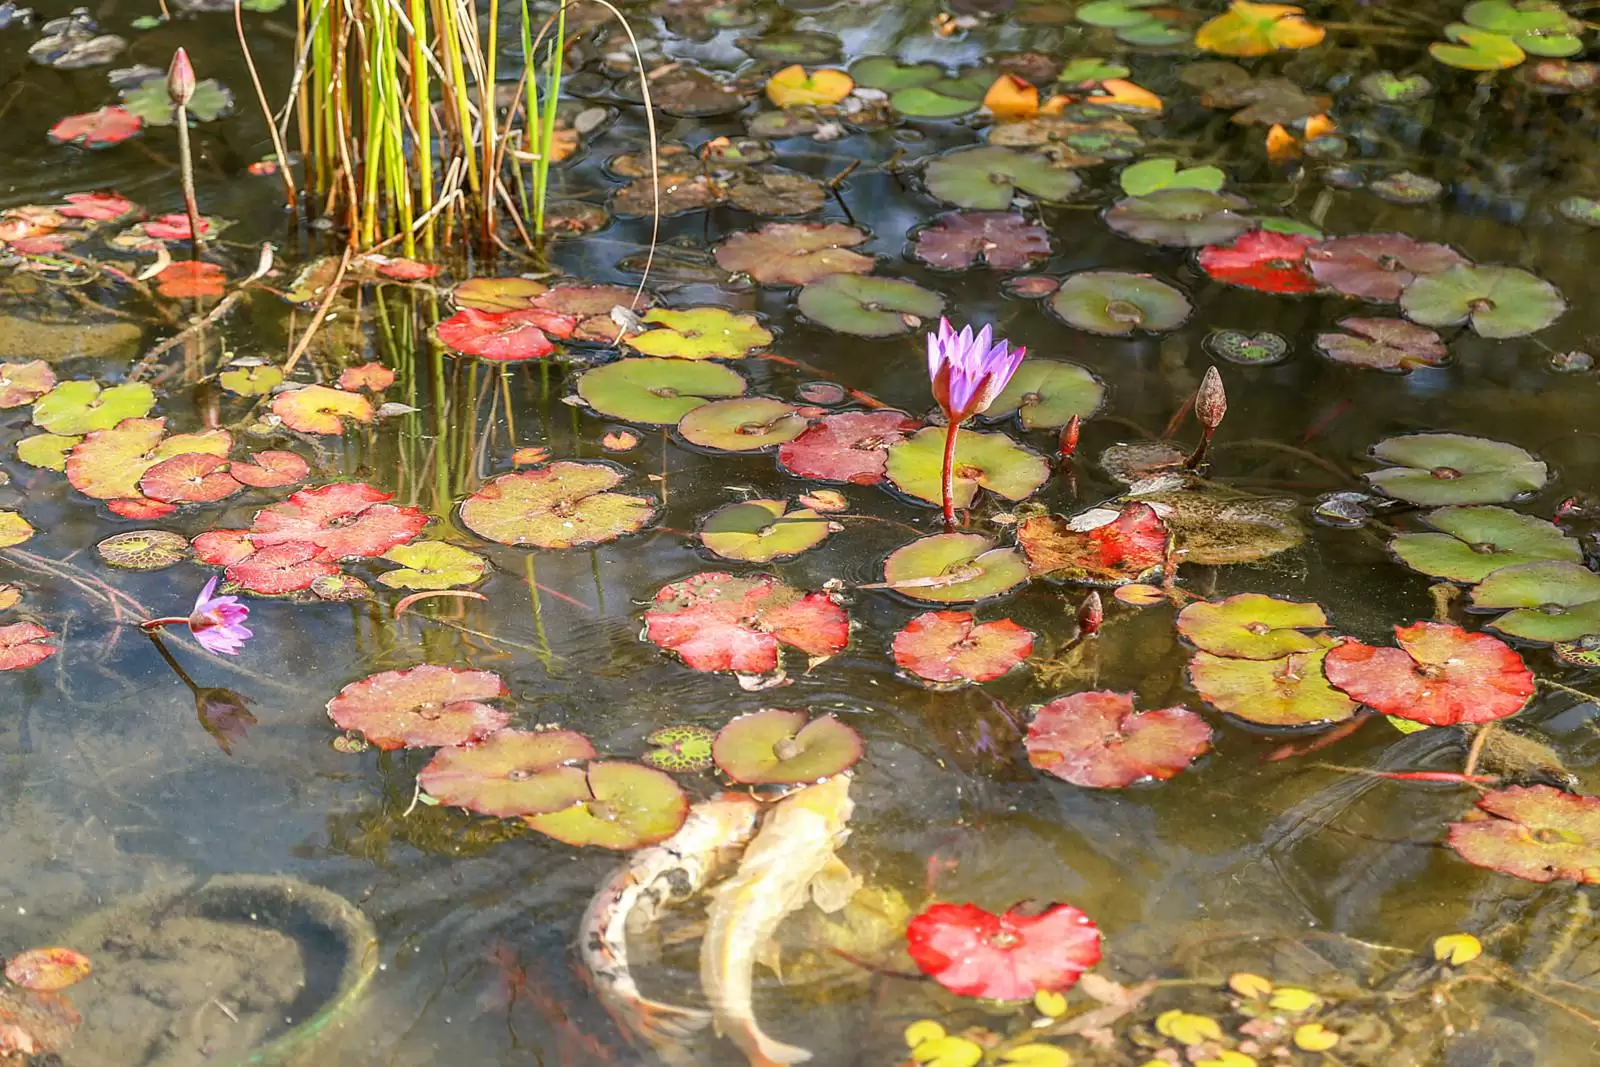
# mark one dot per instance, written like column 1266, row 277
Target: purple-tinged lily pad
column 868, row 306
column 503, row 775
column 1115, row 303
column 987, row 177
column 1184, row 218
column 1450, row 468
column 421, row 706
column 745, row 424
column 656, row 391
column 1534, row 832
column 558, row 505
column 954, row 568
column 1096, row 740
column 1377, row 266
column 1498, row 302
column 623, row 806
column 1383, row 344
column 795, row 253
column 999, row 240
column 780, row 747
column 851, row 446
column 1252, row 626
column 1474, row 542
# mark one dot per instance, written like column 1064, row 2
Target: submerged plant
column 217, row 622
column 968, row 372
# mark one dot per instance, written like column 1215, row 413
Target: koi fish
column 669, row 872
column 795, row 846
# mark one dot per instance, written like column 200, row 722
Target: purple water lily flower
column 217, row 622
column 969, row 371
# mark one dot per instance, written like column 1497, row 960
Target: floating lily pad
column 987, row 177
column 1498, row 302
column 497, row 294
column 150, row 101
column 991, row 461
column 250, row 381
column 504, row 336
column 96, row 129
column 80, row 407
column 1378, row 266
column 851, row 446
column 888, row 74
column 795, row 253
column 22, row 645
column 1474, row 542
column 1264, row 260
column 1384, row 344
column 1552, row 601
column 1476, row 49
column 1291, row 691
column 716, row 622
column 951, row 647
column 760, row 531
column 942, row 98
column 560, row 505
column 1542, row 29
column 746, row 424
column 1185, row 218
column 432, row 565
column 1406, row 187
column 1387, row 87
column 271, row 469
column 1440, row 675
column 1580, row 209
column 320, row 410
column 1260, row 349
column 1097, row 740
column 23, row 383
column 780, row 747
column 1126, row 549
column 1048, row 394
column 680, row 748
column 280, row 569
column 1251, row 29
column 143, row 550
column 797, row 46
column 1447, row 468
column 1534, row 832
column 700, row 333
column 626, row 806
column 421, row 706
column 592, row 306
column 15, row 530
column 110, row 464
column 656, row 391
column 771, row 192
column 1115, row 303
column 868, row 306
column 1252, row 626
column 954, row 568
column 1148, row 175
column 191, row 478
column 345, row 520
column 503, row 775
column 999, row 240
column 1215, row 526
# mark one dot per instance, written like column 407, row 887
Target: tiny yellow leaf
column 1248, row 29
column 1314, row 1037
column 1050, row 1003
column 923, row 1030
column 1250, row 986
column 1187, row 1029
column 948, row 1052
column 1228, row 1058
column 1281, row 145
column 1125, row 94
column 1010, row 97
column 1037, row 1056
column 1294, row 1000
column 1405, row 726
column 1456, row 949
column 14, row 529
column 793, row 87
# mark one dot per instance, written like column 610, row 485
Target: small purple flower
column 969, row 372
column 218, row 622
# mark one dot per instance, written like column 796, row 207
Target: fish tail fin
column 664, row 1024
column 766, row 1052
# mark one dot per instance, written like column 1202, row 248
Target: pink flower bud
column 1211, row 401
column 180, row 79
column 1091, row 613
column 1069, row 438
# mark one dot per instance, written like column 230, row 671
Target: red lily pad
column 421, row 706
column 851, row 446
column 951, row 646
column 1261, row 259
column 503, row 775
column 222, row 548
column 1377, row 266
column 1289, row 691
column 624, row 806
column 97, row 206
column 373, row 377
column 1013, row 956
column 140, row 508
column 22, row 646
column 1440, row 675
column 717, row 622
column 97, row 129
column 318, row 409
column 345, row 520
column 174, row 228
column 780, row 747
column 1126, row 549
column 193, row 478
column 591, row 306
column 48, row 970
column 1252, row 626
column 504, row 336
column 109, row 464
column 23, row 383
column 271, row 469
column 280, row 569
column 559, row 505
column 1098, row 741
column 999, row 240
column 191, row 280
column 1534, row 832
column 1383, row 344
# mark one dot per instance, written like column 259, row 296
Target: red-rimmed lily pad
column 991, row 461
column 1098, row 741
column 222, row 548
column 700, row 333
column 22, row 645
column 23, row 383
column 422, row 706
column 271, row 469
column 1252, row 626
column 868, row 306
column 953, row 568
column 504, row 336
column 999, row 240
column 760, row 531
column 591, row 305
column 1536, row 832
column 953, row 647
column 1115, row 303
column 433, row 565
column 1554, row 601
column 280, row 569
column 1440, row 675
column 1012, row 956
column 503, row 775
column 559, row 505
column 320, row 410
column 1383, row 344
column 1449, row 468
column 97, row 129
column 345, row 520
column 1185, row 218
column 1262, row 260
column 1377, row 266
column 776, row 746
column 110, row 464
column 79, row 407
column 1474, row 542
column 1498, row 302
column 374, row 377
column 744, row 424
column 851, row 446
column 48, row 970
column 1126, row 549
column 656, row 391
column 1291, row 691
column 795, row 253
column 988, row 177
column 192, row 478
column 718, row 622
column 624, row 806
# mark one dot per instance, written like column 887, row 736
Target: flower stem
column 948, row 482
column 186, row 178
column 152, row 625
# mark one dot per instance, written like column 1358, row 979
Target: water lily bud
column 1091, row 613
column 1069, row 438
column 1211, row 402
column 180, row 79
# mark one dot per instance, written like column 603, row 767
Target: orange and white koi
column 796, row 844
column 669, row 872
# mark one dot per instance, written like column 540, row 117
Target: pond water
column 1295, row 866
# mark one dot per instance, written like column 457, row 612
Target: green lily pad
column 1477, row 541
column 1536, row 28
column 504, row 774
column 1433, row 469
column 700, row 333
column 144, row 550
column 760, row 531
column 1148, row 175
column 1554, row 601
column 1387, row 87
column 559, row 505
column 680, row 748
column 987, row 177
column 1499, row 302
column 1289, row 691
column 79, row 407
column 989, row 461
column 656, row 391
column 946, row 98
column 1085, row 69
column 1048, row 394
column 954, row 568
column 867, row 305
column 1115, row 303
column 432, row 565
column 1183, row 218
column 780, row 747
column 1252, row 626
column 1475, row 49
column 808, row 47
column 1115, row 14
column 1258, row 349
column 150, row 102
column 888, row 74
column 625, row 806
column 47, row 451
column 748, row 424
